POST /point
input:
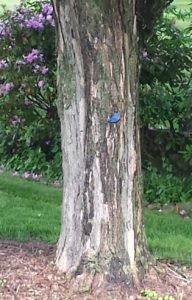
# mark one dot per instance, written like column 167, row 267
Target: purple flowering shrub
column 29, row 124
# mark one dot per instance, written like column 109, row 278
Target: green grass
column 169, row 236
column 31, row 210
column 8, row 3
column 183, row 5
column 28, row 209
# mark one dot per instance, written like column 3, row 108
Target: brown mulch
column 28, row 272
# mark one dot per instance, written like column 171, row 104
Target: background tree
column 98, row 74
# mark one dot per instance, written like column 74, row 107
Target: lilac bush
column 28, row 90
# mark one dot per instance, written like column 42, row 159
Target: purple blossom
column 16, row 120
column 44, row 70
column 26, row 174
column 13, row 122
column 6, row 87
column 47, row 9
column 145, row 55
column 38, row 69
column 33, row 56
column 35, row 176
column 36, row 22
column 40, row 83
column 5, row 29
column 48, row 13
column 9, row 86
column 3, row 64
column 49, row 18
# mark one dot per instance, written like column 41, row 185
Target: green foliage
column 165, row 87
column 154, row 296
column 187, row 154
column 165, row 90
column 84, row 289
column 34, row 148
column 162, row 186
column 166, row 110
column 2, row 282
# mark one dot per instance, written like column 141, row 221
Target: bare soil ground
column 28, row 272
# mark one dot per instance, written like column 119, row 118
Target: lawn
column 28, row 209
column 31, row 210
column 169, row 236
column 183, row 5
column 9, row 3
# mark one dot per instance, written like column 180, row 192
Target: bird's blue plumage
column 114, row 118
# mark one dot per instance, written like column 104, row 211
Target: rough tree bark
column 98, row 73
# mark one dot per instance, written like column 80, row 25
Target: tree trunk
column 102, row 220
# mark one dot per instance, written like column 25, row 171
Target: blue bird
column 114, row 118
